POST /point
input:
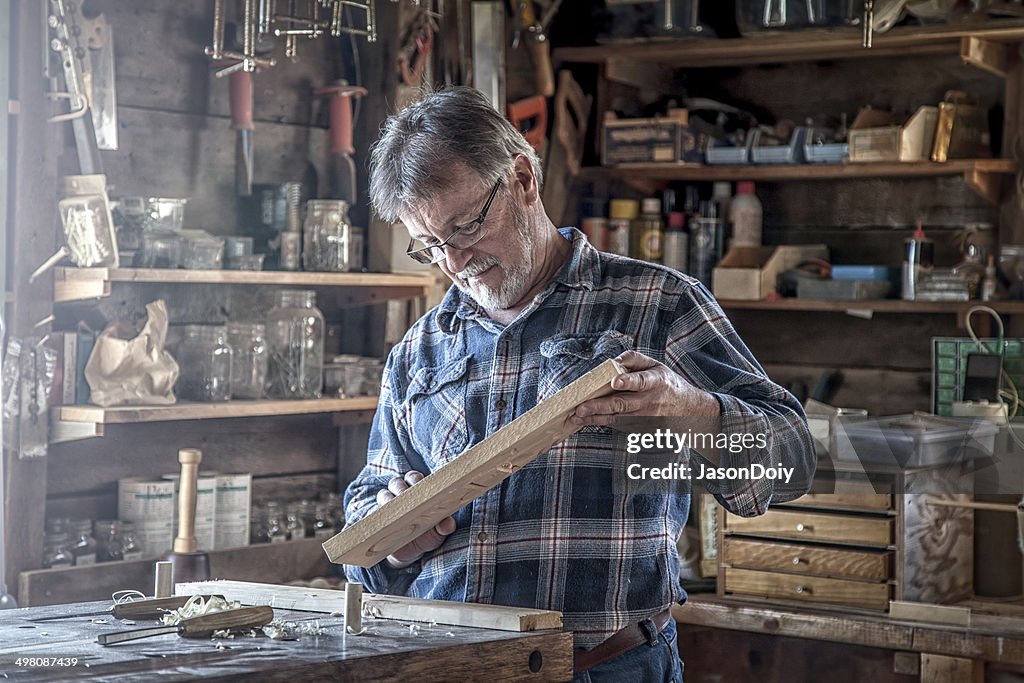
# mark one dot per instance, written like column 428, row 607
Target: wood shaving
column 282, row 630
column 198, row 606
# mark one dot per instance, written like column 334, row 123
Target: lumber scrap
column 470, row 475
column 519, row 619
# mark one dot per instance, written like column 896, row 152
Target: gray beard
column 516, row 279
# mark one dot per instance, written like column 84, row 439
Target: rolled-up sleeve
column 705, row 349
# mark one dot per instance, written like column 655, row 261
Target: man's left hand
column 649, row 389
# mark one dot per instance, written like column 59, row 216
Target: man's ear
column 526, row 179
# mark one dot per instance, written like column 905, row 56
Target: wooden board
column 807, row 588
column 187, row 410
column 468, row 476
column 813, row 526
column 807, row 559
column 380, row 606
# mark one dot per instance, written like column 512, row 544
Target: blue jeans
column 654, row 662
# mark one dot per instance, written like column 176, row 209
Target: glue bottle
column 919, row 255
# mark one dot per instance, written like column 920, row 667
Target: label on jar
column 135, row 555
column 618, row 237
column 83, row 560
column 651, row 246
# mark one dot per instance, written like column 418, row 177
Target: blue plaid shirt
column 567, row 532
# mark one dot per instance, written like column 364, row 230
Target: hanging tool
column 530, row 117
column 537, row 43
column 202, row 626
column 241, row 102
column 415, row 49
column 189, row 564
column 343, row 169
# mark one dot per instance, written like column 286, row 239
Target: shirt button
column 482, row 536
column 500, row 405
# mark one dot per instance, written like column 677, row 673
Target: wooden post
column 354, row 608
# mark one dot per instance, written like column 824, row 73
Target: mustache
column 476, row 267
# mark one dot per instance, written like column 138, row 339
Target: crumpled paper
column 124, row 370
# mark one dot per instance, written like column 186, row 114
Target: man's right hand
column 430, row 540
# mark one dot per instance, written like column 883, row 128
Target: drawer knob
column 797, row 560
column 802, row 527
column 802, row 589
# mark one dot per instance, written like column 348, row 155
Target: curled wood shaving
column 198, row 606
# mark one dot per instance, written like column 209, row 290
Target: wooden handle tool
column 197, row 627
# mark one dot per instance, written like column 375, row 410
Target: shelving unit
column 959, row 308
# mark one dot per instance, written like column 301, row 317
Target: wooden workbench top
column 990, row 637
column 389, row 650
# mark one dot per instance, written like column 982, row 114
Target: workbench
column 754, row 640
column 389, row 650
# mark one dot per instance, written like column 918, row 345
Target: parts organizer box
column 949, row 365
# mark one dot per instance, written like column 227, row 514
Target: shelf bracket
column 984, row 184
column 62, row 431
column 985, row 54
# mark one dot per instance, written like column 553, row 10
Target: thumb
column 634, row 360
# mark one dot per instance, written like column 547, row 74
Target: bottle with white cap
column 746, row 215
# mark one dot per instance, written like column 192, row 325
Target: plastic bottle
column 702, row 243
column 721, row 195
column 677, row 242
column 648, row 232
column 621, row 212
column 746, row 214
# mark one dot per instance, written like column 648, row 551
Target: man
column 532, row 309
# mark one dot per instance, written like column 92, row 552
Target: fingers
column 430, row 539
column 399, row 484
column 634, row 360
column 446, row 526
column 641, row 380
column 616, row 404
column 384, row 496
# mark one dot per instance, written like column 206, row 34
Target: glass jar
column 293, row 524
column 295, row 335
column 130, row 548
column 205, row 361
column 335, row 502
column 84, row 548
column 107, row 533
column 258, row 527
column 249, row 359
column 56, row 550
column 275, row 521
column 327, row 236
column 307, row 512
column 323, row 522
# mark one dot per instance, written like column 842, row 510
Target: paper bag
column 124, row 370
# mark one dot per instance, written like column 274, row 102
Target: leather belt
column 619, row 643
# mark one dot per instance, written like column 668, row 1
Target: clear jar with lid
column 204, row 357
column 327, row 236
column 307, row 512
column 258, row 527
column 249, row 359
column 277, row 531
column 293, row 524
column 57, row 550
column 83, row 546
column 107, row 533
column 335, row 502
column 323, row 522
column 295, row 335
column 130, row 548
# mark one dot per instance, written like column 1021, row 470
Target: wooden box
column 750, row 273
column 666, row 139
column 872, row 138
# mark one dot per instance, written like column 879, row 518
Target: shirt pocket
column 435, row 409
column 566, row 358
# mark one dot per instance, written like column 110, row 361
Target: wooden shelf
column 701, row 172
column 79, row 284
column 184, row 410
column 797, row 46
column 959, row 308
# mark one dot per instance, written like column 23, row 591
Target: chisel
column 198, row 627
column 150, row 608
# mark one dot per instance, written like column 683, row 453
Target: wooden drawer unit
column 807, row 588
column 803, row 525
column 847, row 494
column 863, row 565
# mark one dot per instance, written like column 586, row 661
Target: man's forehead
column 443, row 208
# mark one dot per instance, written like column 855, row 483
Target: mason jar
column 249, row 359
column 327, row 236
column 295, row 335
column 205, row 361
column 83, row 545
column 107, row 533
column 275, row 521
column 130, row 548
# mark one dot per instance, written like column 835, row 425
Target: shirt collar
column 581, row 271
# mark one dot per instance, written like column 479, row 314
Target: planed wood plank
column 800, row 526
column 380, row 606
column 943, row 669
column 270, row 561
column 187, row 410
column 849, row 494
column 479, row 469
column 807, row 559
column 934, row 614
column 807, row 588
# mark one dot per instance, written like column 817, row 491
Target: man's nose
column 457, row 258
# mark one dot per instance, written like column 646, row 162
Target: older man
column 532, row 309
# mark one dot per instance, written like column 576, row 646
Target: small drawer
column 807, row 588
column 813, row 526
column 848, row 494
column 864, row 565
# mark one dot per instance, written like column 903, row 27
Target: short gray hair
column 418, row 146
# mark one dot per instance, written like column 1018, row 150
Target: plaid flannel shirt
column 567, row 532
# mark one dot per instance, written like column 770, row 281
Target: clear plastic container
column 205, row 359
column 159, row 250
column 250, row 358
column 201, row 251
column 327, row 236
column 295, row 335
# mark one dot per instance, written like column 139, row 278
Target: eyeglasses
column 462, row 237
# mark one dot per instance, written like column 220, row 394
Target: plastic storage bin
column 759, row 16
column 913, row 440
column 721, row 154
column 793, row 153
column 824, row 153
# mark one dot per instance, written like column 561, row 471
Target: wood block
column 380, row 606
column 468, row 476
column 932, row 614
column 943, row 669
